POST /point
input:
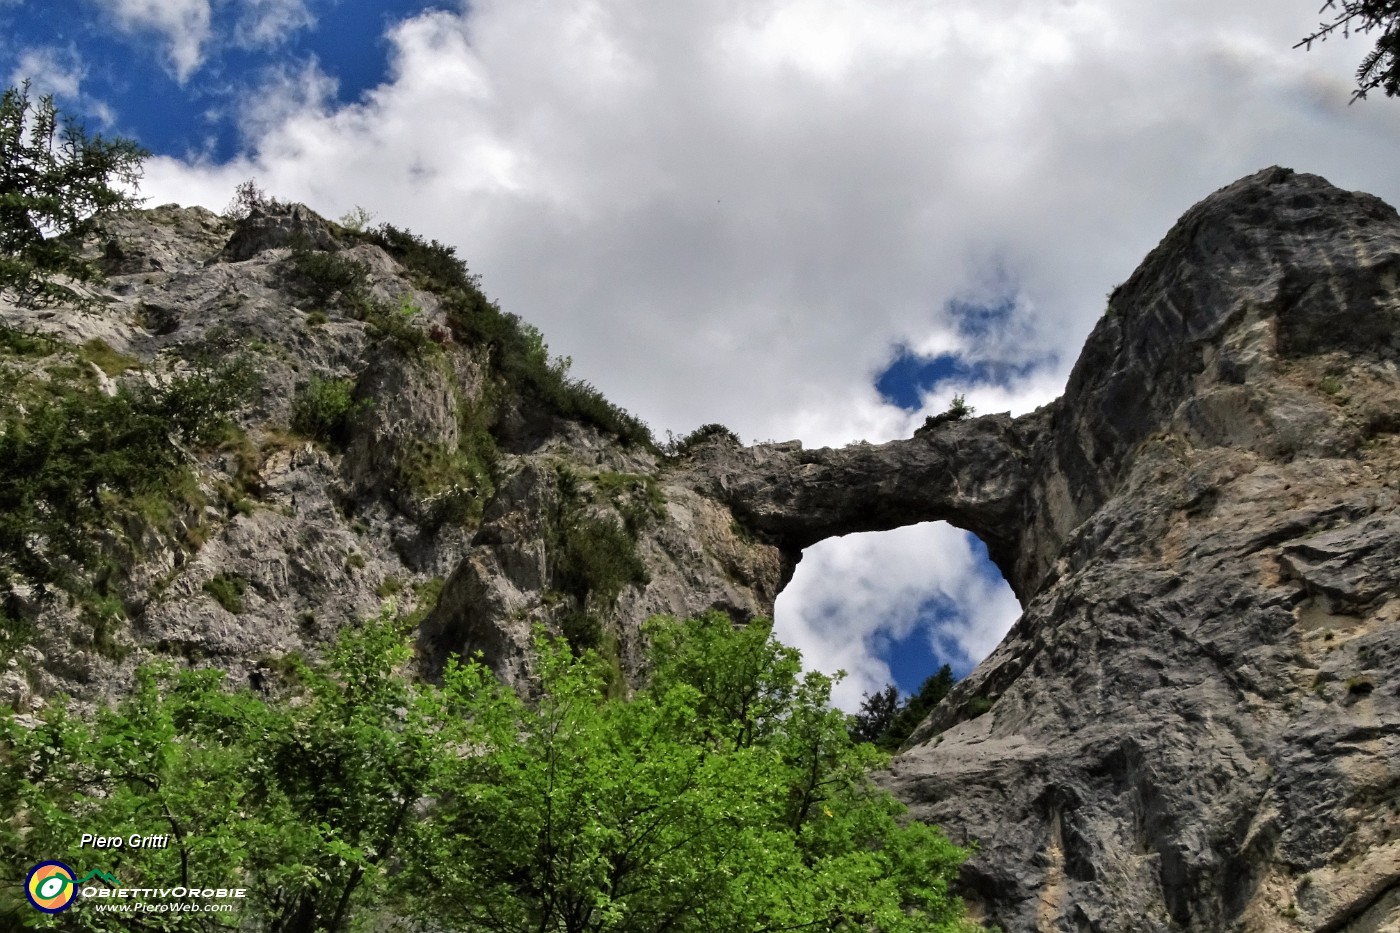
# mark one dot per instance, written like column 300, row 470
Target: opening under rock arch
column 892, row 606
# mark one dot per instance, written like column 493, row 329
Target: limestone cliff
column 1195, row 724
column 463, row 477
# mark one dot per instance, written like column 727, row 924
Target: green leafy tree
column 303, row 803
column 726, row 795
column 1381, row 67
column 163, row 762
column 365, row 747
column 56, row 185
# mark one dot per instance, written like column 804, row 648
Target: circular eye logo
column 50, row 887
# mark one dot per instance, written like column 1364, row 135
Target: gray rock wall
column 320, row 535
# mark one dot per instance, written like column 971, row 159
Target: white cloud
column 269, row 22
column 849, row 592
column 60, row 72
column 51, row 70
column 733, row 212
column 282, row 92
column 184, row 25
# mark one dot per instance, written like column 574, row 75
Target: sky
column 814, row 219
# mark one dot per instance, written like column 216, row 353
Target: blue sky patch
column 911, row 658
column 980, row 320
column 910, row 376
column 904, row 381
column 916, row 657
column 130, row 75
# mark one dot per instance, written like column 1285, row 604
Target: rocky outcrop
column 445, row 491
column 1195, row 725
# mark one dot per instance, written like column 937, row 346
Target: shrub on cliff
column 324, row 409
column 518, row 353
column 76, row 463
column 705, row 434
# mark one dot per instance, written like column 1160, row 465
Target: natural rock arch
column 1196, row 709
column 1194, row 724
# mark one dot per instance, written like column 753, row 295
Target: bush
column 459, row 481
column 518, row 354
column 637, row 497
column 978, row 706
column 356, row 219
column 100, row 354
column 248, row 197
column 595, row 558
column 434, row 264
column 15, row 342
column 958, row 409
column 705, row 434
column 227, row 591
column 330, row 279
column 324, row 278
column 105, row 614
column 324, row 408
column 199, row 404
column 75, row 461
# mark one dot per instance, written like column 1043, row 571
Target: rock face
column 1195, row 725
column 449, row 490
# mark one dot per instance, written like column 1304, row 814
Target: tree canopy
column 887, row 723
column 1381, row 67
column 725, row 795
column 56, row 184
